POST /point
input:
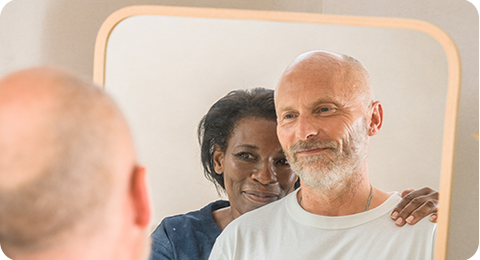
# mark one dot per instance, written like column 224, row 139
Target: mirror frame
column 451, row 51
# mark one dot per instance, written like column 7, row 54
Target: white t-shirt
column 284, row 230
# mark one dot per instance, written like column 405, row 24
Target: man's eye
column 326, row 110
column 289, row 116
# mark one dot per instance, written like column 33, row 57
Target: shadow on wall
column 73, row 25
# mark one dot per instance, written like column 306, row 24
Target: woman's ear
column 376, row 118
column 218, row 157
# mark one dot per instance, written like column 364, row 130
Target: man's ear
column 140, row 197
column 376, row 118
column 218, row 157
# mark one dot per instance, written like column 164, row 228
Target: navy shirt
column 187, row 236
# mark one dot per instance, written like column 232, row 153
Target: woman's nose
column 265, row 174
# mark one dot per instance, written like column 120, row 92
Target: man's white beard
column 332, row 168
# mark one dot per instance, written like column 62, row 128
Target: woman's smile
column 260, row 197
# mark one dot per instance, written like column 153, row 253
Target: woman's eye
column 282, row 162
column 245, row 156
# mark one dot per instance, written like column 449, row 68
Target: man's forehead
column 320, row 76
column 311, row 96
column 306, row 100
column 319, row 84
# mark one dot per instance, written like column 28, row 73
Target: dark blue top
column 187, row 236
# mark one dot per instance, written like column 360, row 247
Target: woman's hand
column 415, row 205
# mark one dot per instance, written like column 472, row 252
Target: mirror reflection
column 167, row 71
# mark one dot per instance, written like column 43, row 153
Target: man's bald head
column 64, row 148
column 330, row 68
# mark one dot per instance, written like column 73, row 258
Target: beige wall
column 62, row 32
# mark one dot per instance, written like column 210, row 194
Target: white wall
column 62, row 32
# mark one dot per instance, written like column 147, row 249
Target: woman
column 241, row 155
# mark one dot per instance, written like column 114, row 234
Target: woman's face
column 254, row 167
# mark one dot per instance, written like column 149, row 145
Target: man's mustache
column 301, row 146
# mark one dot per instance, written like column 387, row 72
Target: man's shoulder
column 389, row 205
column 264, row 218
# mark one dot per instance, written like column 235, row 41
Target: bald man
column 326, row 116
column 70, row 185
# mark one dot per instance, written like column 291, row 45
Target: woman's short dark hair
column 216, row 127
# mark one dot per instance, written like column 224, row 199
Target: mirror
column 167, row 65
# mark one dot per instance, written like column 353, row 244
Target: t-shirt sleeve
column 221, row 248
column 217, row 253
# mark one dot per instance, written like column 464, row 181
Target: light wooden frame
column 477, row 136
column 453, row 58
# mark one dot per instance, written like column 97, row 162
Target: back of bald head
column 340, row 67
column 62, row 142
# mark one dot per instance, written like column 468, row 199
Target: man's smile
column 311, row 151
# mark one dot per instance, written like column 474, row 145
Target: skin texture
column 254, row 169
column 68, row 159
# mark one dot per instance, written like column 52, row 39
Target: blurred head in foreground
column 70, row 185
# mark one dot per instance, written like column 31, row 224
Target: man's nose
column 265, row 174
column 306, row 128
